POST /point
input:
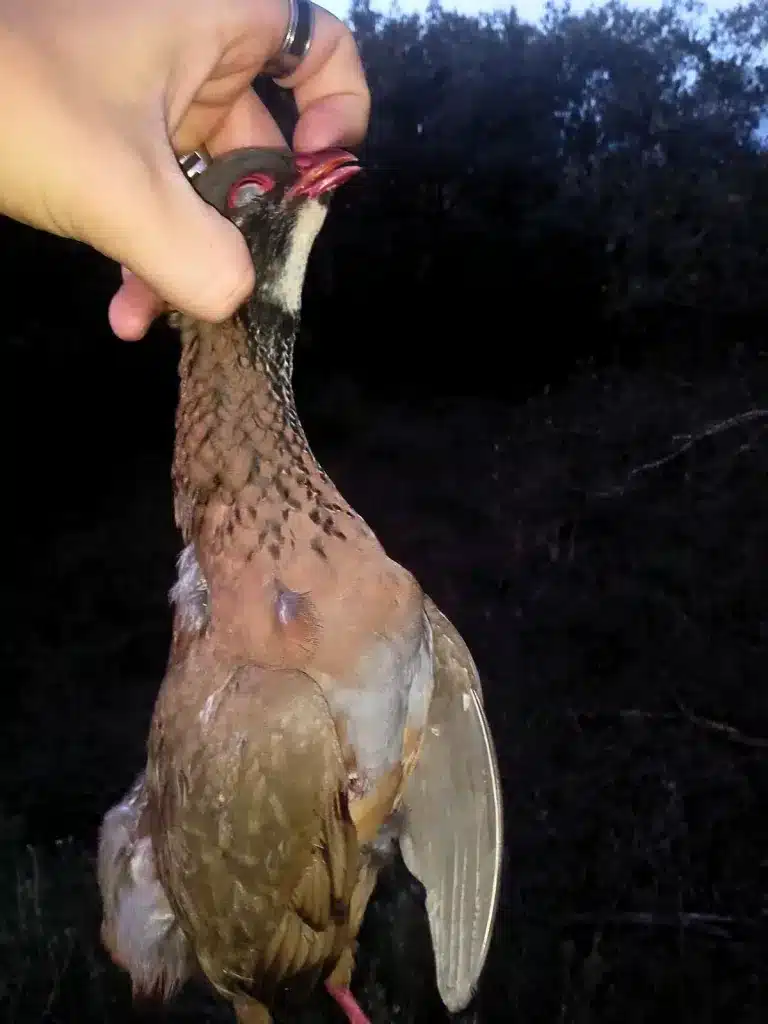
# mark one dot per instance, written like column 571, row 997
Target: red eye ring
column 262, row 182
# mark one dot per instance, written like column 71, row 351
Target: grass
column 46, row 927
column 54, row 968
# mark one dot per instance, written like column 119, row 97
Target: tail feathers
column 139, row 927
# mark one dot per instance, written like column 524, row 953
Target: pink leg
column 348, row 1003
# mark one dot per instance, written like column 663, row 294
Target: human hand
column 100, row 96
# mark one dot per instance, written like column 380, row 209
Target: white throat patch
column 286, row 291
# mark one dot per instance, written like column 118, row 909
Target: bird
column 317, row 709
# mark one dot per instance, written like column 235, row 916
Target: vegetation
column 599, row 179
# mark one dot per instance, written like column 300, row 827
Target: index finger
column 330, row 87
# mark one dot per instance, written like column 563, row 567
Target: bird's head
column 279, row 201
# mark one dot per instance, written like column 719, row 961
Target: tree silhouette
column 603, row 169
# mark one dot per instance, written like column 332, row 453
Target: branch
column 730, row 732
column 712, row 924
column 627, row 713
column 690, row 440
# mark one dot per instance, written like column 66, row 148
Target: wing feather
column 452, row 838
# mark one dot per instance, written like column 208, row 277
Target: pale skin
column 99, row 98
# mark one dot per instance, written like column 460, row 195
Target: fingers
column 167, row 236
column 226, row 106
column 331, row 92
column 197, row 260
column 135, row 305
column 248, row 123
column 133, row 308
column 330, row 121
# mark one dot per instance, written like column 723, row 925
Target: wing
column 452, row 837
column 253, row 838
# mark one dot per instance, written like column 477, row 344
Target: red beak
column 321, row 172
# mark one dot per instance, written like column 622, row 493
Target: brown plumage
column 301, row 675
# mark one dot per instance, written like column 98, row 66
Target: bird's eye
column 248, row 189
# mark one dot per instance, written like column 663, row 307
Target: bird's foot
column 348, row 1003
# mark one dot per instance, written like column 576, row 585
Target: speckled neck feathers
column 239, row 439
column 236, row 421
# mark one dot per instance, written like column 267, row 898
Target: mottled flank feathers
column 140, row 929
column 189, row 594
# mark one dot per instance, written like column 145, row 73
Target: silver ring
column 296, row 41
column 294, row 48
column 195, row 163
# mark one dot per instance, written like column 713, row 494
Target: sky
column 529, row 10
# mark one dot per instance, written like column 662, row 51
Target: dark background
column 533, row 358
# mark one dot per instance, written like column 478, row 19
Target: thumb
column 160, row 229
